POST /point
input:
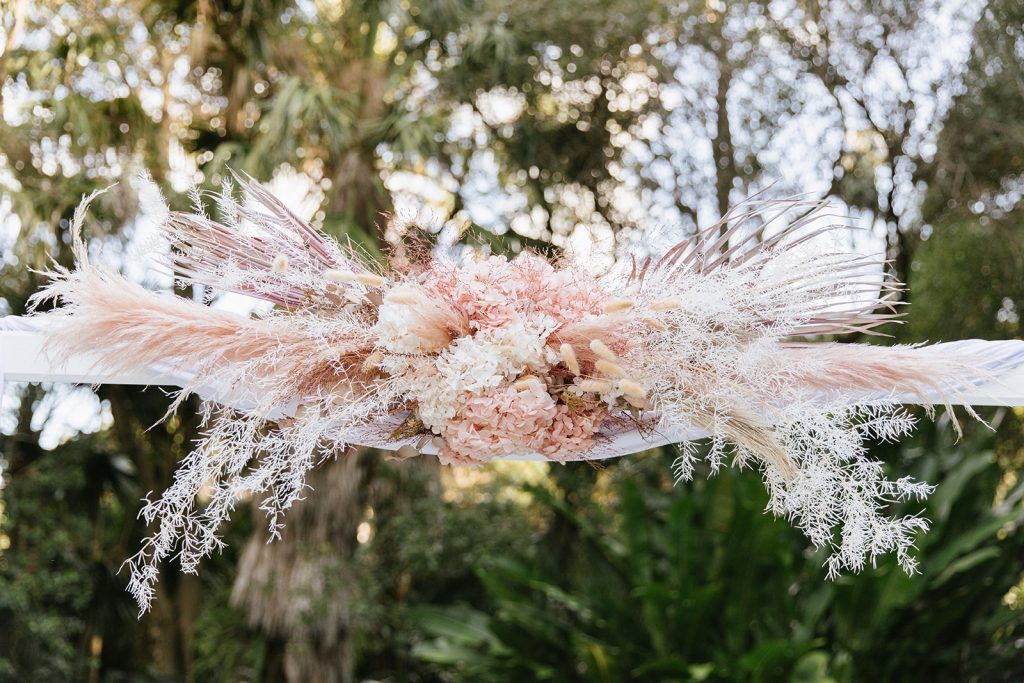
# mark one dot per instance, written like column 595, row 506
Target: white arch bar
column 23, row 358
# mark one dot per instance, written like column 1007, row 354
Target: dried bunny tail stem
column 669, row 304
column 609, row 332
column 602, row 351
column 403, row 296
column 596, row 386
column 609, row 369
column 338, row 276
column 632, row 389
column 371, row 280
column 618, row 305
column 654, row 324
column 568, row 355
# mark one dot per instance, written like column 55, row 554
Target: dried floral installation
column 474, row 357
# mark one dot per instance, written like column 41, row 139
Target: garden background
column 537, row 125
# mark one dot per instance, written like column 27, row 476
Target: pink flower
column 507, row 421
column 496, row 422
column 495, row 291
column 570, row 434
column 478, row 289
column 571, row 296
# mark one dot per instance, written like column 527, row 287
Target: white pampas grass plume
column 609, row 369
column 602, row 351
column 568, row 355
column 618, row 305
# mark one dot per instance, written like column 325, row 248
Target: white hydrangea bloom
column 394, row 331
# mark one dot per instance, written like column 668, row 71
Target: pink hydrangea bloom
column 571, row 434
column 500, row 421
column 495, row 291
column 577, row 297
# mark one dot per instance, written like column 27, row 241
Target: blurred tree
column 974, row 198
column 75, row 119
column 698, row 585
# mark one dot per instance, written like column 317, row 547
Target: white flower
column 473, row 363
column 470, row 365
column 394, row 331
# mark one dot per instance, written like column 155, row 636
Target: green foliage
column 227, row 649
column 988, row 253
column 52, row 575
column 695, row 583
column 424, row 552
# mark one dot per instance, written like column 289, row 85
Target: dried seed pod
column 610, row 369
column 602, row 351
column 596, row 386
column 669, row 304
column 568, row 355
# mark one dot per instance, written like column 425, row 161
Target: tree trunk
column 155, row 453
column 722, row 147
column 297, row 588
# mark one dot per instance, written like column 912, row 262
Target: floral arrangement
column 475, row 356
